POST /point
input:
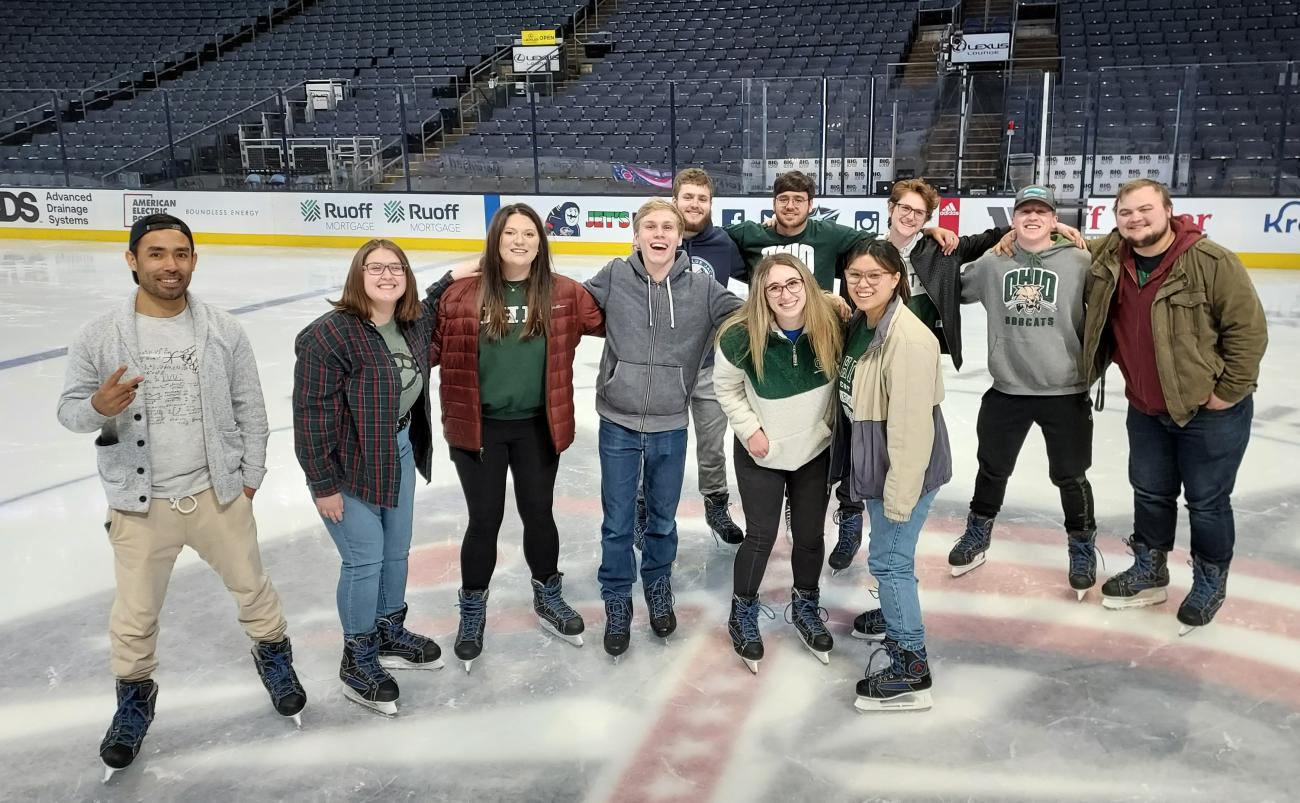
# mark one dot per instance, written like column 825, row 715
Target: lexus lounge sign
column 982, row 47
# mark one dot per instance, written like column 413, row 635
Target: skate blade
column 958, row 571
column 751, row 665
column 109, row 772
column 388, row 709
column 550, row 629
column 468, row 664
column 824, row 657
column 858, row 634
column 1142, row 599
column 297, row 720
column 398, row 662
column 911, row 701
column 1183, row 630
column 1082, row 592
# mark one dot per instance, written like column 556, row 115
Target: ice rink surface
column 1036, row 697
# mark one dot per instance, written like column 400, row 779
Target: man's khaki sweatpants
column 145, row 546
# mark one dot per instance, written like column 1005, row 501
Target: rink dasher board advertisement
column 250, row 218
column 1264, row 232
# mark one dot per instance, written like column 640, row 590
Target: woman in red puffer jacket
column 506, row 341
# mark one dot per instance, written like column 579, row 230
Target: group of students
column 820, row 390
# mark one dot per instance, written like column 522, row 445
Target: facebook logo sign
column 867, row 221
column 731, row 217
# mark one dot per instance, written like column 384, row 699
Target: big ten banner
column 58, row 209
column 1065, row 175
column 1115, row 169
column 457, row 217
column 863, row 214
column 577, row 219
column 1264, row 232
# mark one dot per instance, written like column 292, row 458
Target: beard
column 156, row 289
column 696, row 228
column 1150, row 239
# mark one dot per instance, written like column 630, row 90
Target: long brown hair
column 492, row 284
column 820, row 321
column 354, row 299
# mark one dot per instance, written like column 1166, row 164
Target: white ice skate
column 975, row 563
column 386, row 708
column 907, row 701
column 575, row 640
column 1142, row 599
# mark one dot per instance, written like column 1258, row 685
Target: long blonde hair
column 821, row 323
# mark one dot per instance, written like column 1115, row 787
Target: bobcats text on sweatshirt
column 1034, row 306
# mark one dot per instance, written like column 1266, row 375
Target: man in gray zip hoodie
column 660, row 318
column 1034, row 305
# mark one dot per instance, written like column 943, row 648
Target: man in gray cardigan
column 181, row 450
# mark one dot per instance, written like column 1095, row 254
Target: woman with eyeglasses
column 774, row 375
column 506, row 341
column 892, row 448
column 361, row 432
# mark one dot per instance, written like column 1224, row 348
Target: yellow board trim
column 559, row 246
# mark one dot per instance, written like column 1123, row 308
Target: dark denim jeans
column 1201, row 459
column 623, row 452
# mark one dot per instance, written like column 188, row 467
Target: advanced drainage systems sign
column 982, row 47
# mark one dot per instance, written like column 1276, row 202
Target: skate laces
column 1206, row 583
column 974, row 538
column 747, row 617
column 618, row 614
column 553, row 601
column 1081, row 554
column 277, row 670
column 473, row 613
column 132, row 717
column 808, row 612
column 660, row 597
column 891, row 650
column 847, row 545
column 850, row 524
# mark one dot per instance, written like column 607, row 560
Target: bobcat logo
column 1028, row 298
column 1029, row 290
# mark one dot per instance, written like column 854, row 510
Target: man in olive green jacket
column 1179, row 315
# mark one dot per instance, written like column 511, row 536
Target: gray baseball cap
column 1036, row 192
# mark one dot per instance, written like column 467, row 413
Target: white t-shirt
column 169, row 364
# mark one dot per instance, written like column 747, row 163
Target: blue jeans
column 373, row 542
column 891, row 559
column 623, row 452
column 1202, row 459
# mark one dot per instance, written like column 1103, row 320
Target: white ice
column 1036, row 697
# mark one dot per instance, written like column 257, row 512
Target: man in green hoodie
column 1034, row 304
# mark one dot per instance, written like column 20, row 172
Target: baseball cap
column 156, row 222
column 1036, row 192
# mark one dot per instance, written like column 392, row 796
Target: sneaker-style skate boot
column 274, row 662
column 904, row 685
column 809, row 618
column 473, row 618
column 659, row 600
column 1142, row 584
column 399, row 648
column 1082, row 546
column 869, row 625
column 618, row 625
column 719, row 519
column 850, row 540
column 135, row 706
column 365, row 682
column 968, row 553
column 1209, row 590
column 742, row 626
column 553, row 613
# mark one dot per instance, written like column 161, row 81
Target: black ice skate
column 1209, row 590
column 135, row 707
column 718, row 517
column 968, row 554
column 274, row 662
column 904, row 685
column 399, row 648
column 849, row 541
column 1082, row 546
column 364, row 681
column 1142, row 584
column 618, row 625
column 809, row 618
column 473, row 618
column 742, row 626
column 659, row 600
column 869, row 625
column 554, row 614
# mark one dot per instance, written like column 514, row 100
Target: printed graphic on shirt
column 407, row 369
column 702, row 265
column 171, row 386
column 1029, row 293
column 805, row 253
column 515, row 314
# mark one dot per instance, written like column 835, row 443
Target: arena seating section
column 1233, row 116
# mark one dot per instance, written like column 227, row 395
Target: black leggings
column 525, row 448
column 761, row 492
